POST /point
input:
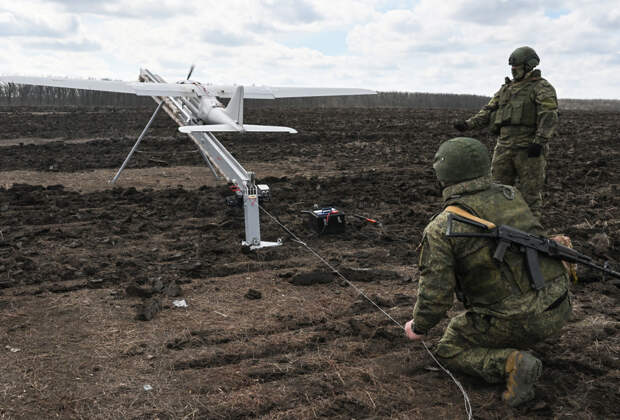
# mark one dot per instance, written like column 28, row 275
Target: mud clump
column 315, row 277
column 148, row 309
column 253, row 294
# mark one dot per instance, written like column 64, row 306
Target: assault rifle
column 529, row 244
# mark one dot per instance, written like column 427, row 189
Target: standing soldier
column 524, row 112
column 505, row 313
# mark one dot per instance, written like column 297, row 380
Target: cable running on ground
column 467, row 403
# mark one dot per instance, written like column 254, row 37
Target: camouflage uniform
column 503, row 312
column 521, row 112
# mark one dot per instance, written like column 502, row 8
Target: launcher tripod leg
column 135, row 146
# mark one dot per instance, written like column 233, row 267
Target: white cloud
column 153, row 9
column 19, row 24
column 459, row 46
column 494, row 13
column 225, row 38
column 73, row 46
column 292, row 12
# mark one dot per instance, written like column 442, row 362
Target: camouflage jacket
column 465, row 266
column 521, row 112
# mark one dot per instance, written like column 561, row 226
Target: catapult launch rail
column 184, row 111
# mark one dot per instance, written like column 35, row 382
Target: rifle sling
column 467, row 215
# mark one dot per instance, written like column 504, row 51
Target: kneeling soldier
column 505, row 313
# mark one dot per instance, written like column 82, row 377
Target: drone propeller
column 191, row 70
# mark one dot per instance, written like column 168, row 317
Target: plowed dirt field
column 89, row 271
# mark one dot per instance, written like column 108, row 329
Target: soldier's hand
column 534, row 149
column 460, row 125
column 409, row 332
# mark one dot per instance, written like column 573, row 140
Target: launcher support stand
column 184, row 111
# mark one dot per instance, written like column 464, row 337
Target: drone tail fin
column 234, row 109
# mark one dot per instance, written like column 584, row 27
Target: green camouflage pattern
column 499, row 293
column 479, row 345
column 521, row 112
column 512, row 166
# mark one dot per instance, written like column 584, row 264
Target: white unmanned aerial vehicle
column 198, row 112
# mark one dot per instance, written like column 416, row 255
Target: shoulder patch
column 508, row 191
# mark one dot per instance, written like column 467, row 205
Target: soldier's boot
column 522, row 372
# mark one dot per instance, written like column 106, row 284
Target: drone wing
column 272, row 92
column 137, row 88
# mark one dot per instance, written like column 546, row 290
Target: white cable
column 468, row 409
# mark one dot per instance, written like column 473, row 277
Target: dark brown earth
column 88, row 272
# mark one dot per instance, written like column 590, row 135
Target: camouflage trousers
column 511, row 164
column 479, row 345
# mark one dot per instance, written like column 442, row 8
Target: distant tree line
column 590, row 104
column 28, row 95
column 381, row 99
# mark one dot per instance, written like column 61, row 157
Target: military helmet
column 461, row 159
column 524, row 55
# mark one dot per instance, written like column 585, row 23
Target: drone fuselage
column 211, row 111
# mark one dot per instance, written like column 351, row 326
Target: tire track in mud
column 359, row 307
column 297, row 362
column 298, row 377
column 276, row 340
column 266, row 360
column 325, row 379
column 274, row 398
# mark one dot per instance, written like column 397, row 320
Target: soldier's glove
column 460, row 125
column 534, row 150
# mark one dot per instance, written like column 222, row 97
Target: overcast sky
column 450, row 46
